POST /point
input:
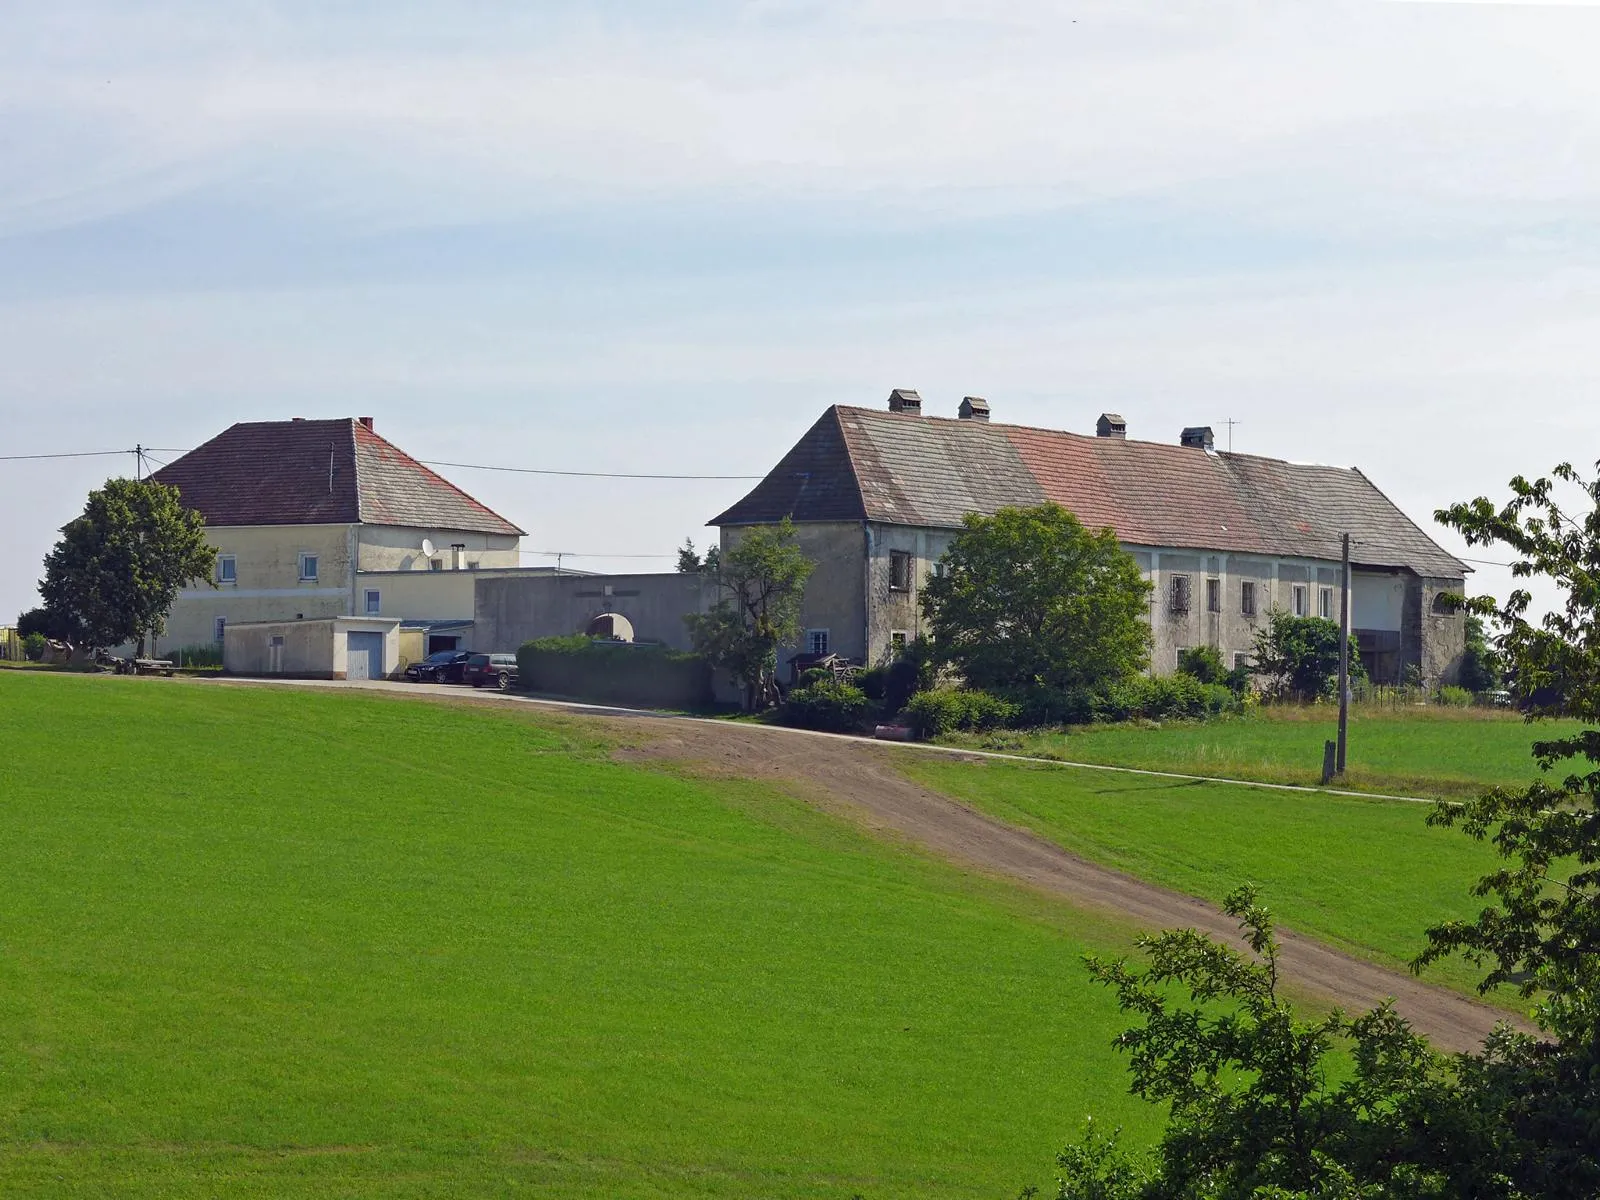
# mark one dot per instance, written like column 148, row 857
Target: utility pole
column 138, row 461
column 1344, row 654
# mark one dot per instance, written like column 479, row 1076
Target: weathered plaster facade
column 267, row 583
column 511, row 608
column 309, row 649
column 1224, row 538
column 854, row 596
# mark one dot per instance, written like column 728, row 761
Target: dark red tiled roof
column 320, row 473
column 902, row 469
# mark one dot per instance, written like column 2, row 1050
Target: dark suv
column 442, row 666
column 496, row 670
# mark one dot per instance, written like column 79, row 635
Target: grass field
column 1422, row 751
column 1367, row 875
column 264, row 942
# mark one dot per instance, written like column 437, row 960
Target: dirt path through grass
column 859, row 779
column 862, row 781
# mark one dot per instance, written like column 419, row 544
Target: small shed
column 326, row 648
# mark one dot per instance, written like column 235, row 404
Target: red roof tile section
column 895, row 468
column 335, row 472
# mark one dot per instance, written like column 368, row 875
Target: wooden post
column 1344, row 656
column 1330, row 751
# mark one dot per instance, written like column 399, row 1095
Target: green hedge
column 615, row 673
column 827, row 705
column 944, row 710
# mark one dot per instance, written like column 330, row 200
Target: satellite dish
column 427, row 547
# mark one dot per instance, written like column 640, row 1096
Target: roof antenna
column 1231, row 423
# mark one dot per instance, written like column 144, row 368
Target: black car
column 492, row 670
column 442, row 666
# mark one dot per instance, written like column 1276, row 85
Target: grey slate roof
column 870, row 465
column 334, row 472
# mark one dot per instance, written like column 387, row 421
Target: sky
column 632, row 237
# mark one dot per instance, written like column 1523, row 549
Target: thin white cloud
column 891, row 100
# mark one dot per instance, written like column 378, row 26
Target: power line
column 72, row 454
column 573, row 554
column 435, row 463
column 582, row 474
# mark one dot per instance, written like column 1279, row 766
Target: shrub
column 913, row 670
column 1454, row 697
column 871, row 682
column 615, row 672
column 827, row 705
column 1298, row 657
column 1169, row 696
column 945, row 710
column 206, row 654
column 1041, row 705
column 1203, row 663
column 33, row 646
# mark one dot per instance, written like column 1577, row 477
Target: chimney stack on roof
column 905, row 400
column 367, row 421
column 1198, row 437
column 974, row 408
column 1111, row 425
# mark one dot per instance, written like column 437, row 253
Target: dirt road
column 861, row 779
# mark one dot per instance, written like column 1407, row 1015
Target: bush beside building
column 615, row 672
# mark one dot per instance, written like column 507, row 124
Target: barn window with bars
column 1178, row 600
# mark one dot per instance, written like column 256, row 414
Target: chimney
column 905, row 400
column 458, row 556
column 974, row 408
column 297, row 418
column 1198, row 437
column 367, row 421
column 1111, row 425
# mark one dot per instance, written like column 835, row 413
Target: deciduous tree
column 1298, row 657
column 763, row 579
column 1029, row 596
column 113, row 576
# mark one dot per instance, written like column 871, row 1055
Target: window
column 1178, row 597
column 1214, row 595
column 1247, row 598
column 1241, row 660
column 1301, row 605
column 1444, row 605
column 308, row 568
column 938, row 568
column 227, row 569
column 436, row 564
column 374, row 604
column 817, row 641
column 1325, row 603
column 898, row 640
column 899, row 571
column 217, row 628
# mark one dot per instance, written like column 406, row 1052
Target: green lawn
column 261, row 942
column 1421, row 751
column 1368, row 875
